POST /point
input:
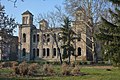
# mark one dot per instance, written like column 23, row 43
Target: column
column 40, row 52
column 51, row 52
column 45, row 52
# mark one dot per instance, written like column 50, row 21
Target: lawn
column 92, row 73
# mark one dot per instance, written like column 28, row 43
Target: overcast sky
column 34, row 6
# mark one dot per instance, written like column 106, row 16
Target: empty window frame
column 48, row 52
column 24, row 37
column 37, row 52
column 24, row 52
column 54, row 51
column 34, row 38
column 79, row 51
column 44, row 52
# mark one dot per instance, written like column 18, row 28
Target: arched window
column 37, row 37
column 48, row 38
column 43, row 51
column 24, row 37
column 25, row 20
column 24, row 52
column 79, row 51
column 65, row 54
column 34, row 38
column 48, row 50
column 37, row 52
column 34, row 54
column 79, row 35
column 54, row 52
column 48, row 35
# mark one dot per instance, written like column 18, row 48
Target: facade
column 38, row 44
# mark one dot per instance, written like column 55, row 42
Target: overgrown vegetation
column 66, row 72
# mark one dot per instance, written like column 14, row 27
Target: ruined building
column 38, row 44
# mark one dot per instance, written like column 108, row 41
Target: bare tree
column 93, row 9
column 15, row 1
column 55, row 19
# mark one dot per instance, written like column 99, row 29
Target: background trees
column 7, row 26
column 110, row 34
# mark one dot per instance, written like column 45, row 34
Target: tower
column 79, row 14
column 80, row 28
column 25, row 31
column 43, row 24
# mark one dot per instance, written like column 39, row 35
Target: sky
column 34, row 6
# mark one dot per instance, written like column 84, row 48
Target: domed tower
column 25, row 31
column 43, row 24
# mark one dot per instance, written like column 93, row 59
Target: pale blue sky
column 34, row 6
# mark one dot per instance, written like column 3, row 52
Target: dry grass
column 75, row 70
column 32, row 68
column 65, row 69
column 23, row 68
column 48, row 69
column 26, row 69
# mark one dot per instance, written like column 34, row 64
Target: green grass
column 92, row 74
column 5, row 71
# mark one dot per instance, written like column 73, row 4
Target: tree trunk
column 59, row 55
column 69, row 56
column 58, row 50
column 93, row 53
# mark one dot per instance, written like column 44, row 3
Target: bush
column 16, row 70
column 75, row 70
column 85, row 63
column 72, row 64
column 26, row 69
column 14, row 64
column 21, row 69
column 5, row 64
column 65, row 69
column 9, row 64
column 48, row 69
column 32, row 68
